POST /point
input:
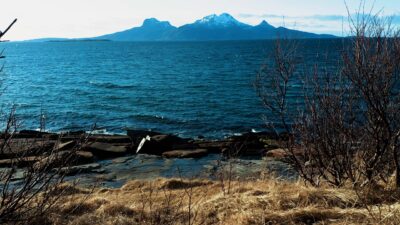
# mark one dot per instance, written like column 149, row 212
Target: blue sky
column 87, row 18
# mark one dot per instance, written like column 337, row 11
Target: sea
column 189, row 89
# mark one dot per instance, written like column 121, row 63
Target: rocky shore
column 107, row 157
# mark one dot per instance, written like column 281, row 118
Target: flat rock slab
column 73, row 170
column 26, row 146
column 281, row 154
column 20, row 162
column 111, row 139
column 214, row 146
column 65, row 145
column 122, row 159
column 102, row 149
column 64, row 158
column 197, row 153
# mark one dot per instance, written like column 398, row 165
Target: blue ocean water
column 185, row 88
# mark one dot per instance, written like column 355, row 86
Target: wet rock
column 64, row 158
column 111, row 139
column 240, row 151
column 122, row 160
column 190, row 145
column 72, row 137
column 18, row 175
column 20, row 162
column 73, row 170
column 214, row 146
column 26, row 147
column 106, row 150
column 197, row 153
column 158, row 144
column 36, row 134
column 30, row 134
column 107, row 177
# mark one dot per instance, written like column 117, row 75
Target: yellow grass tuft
column 176, row 201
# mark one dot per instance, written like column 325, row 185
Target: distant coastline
column 80, row 40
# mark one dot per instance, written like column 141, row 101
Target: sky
column 89, row 18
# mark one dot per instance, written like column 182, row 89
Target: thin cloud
column 328, row 17
column 333, row 18
column 274, row 16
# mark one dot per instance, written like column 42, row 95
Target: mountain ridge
column 210, row 28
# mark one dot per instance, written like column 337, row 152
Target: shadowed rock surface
column 197, row 153
column 106, row 150
column 158, row 144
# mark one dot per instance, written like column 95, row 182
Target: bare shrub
column 348, row 126
column 28, row 192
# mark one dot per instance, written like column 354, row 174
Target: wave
column 115, row 97
column 110, row 85
column 156, row 119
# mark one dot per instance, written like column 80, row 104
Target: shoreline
column 123, row 131
column 113, row 160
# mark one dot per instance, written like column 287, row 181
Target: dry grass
column 167, row 201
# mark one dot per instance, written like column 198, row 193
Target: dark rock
column 197, row 153
column 214, row 146
column 77, row 132
column 20, row 162
column 158, row 144
column 186, row 145
column 137, row 136
column 64, row 158
column 106, row 150
column 26, row 147
column 250, row 140
column 111, row 139
column 248, row 144
column 34, row 134
column 72, row 137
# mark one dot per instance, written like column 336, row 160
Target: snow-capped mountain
column 212, row 27
column 224, row 20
